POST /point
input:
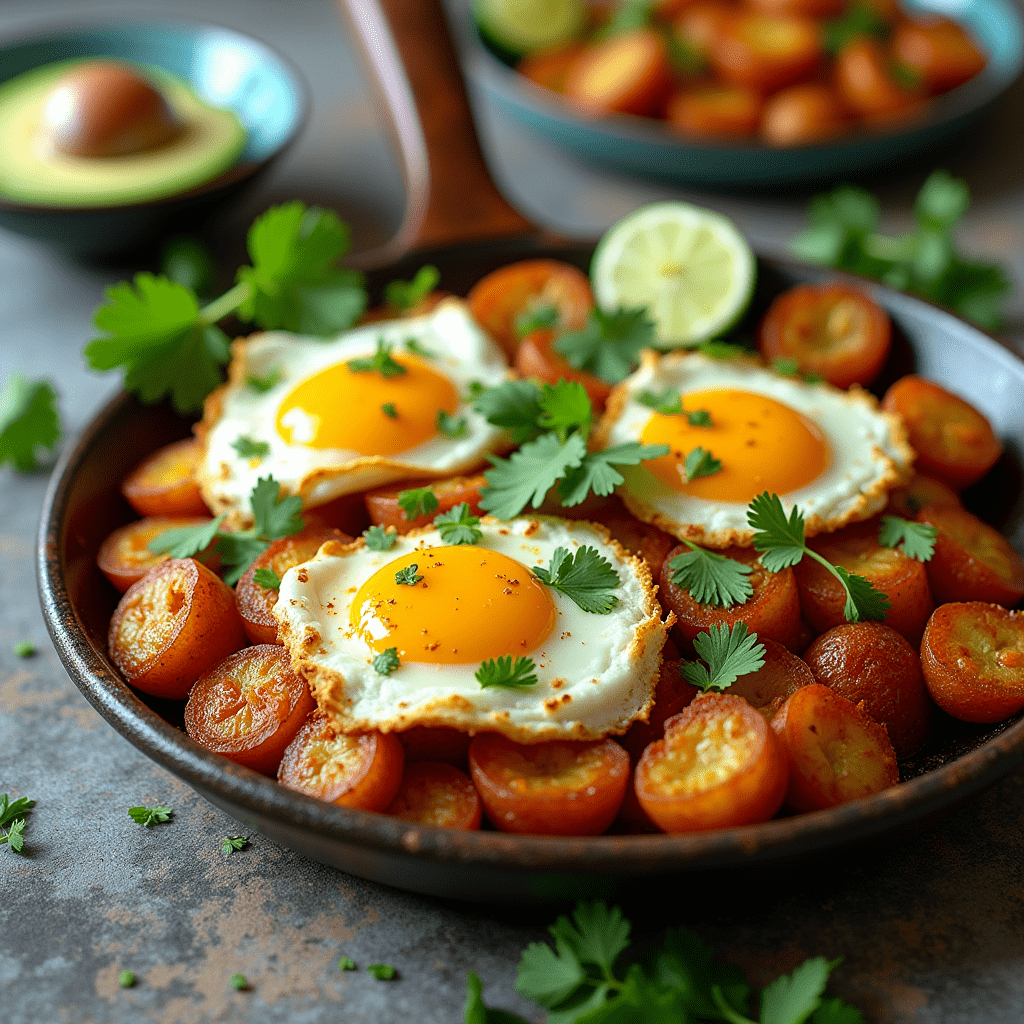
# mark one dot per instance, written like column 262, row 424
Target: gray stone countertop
column 931, row 929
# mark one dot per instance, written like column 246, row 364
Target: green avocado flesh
column 30, row 172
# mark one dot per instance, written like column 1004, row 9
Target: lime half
column 690, row 267
column 525, row 26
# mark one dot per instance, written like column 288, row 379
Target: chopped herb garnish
column 609, row 344
column 380, row 362
column 459, row 525
column 451, row 426
column 416, row 348
column 503, row 671
column 24, row 648
column 711, row 577
column 382, row 972
column 12, row 821
column 418, row 501
column 150, row 816
column 700, row 462
column 670, row 403
column 728, row 654
column 585, row 577
column 231, row 843
column 28, row 422
column 786, row 367
column 263, row 384
column 346, row 964
column 247, row 448
column 408, row 576
column 916, row 540
column 267, row 578
column 389, row 410
column 126, row 979
column 533, row 319
column 403, row 295
column 386, row 662
column 238, row 981
column 723, row 350
column 380, row 539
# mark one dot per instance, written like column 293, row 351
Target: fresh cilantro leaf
column 513, row 405
column 700, row 462
column 389, row 410
column 686, row 963
column 150, row 816
column 386, row 662
column 668, row 402
column 186, row 261
column 792, row 998
column 14, row 810
column 723, row 350
column 346, row 963
column 231, row 843
column 416, row 348
column 14, row 837
column 699, row 418
column 502, row 671
column 839, row 224
column 458, row 526
column 24, row 649
column 609, row 344
column 565, row 407
column 418, row 501
column 274, row 517
column 382, row 972
column 711, row 577
column 403, row 295
column 294, row 283
column 126, row 979
column 267, row 578
column 529, row 473
column 263, row 384
column 408, row 576
column 597, row 471
column 728, row 654
column 835, row 1011
column 585, row 577
column 942, row 201
column 549, row 976
column 380, row 539
column 28, row 421
column 451, row 426
column 596, row 934
column 863, row 601
column 475, row 1012
column 247, row 448
column 380, row 362
column 239, row 982
column 186, row 541
column 530, row 320
column 916, row 540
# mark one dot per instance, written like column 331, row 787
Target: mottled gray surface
column 932, row 930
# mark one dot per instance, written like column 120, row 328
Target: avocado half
column 211, row 140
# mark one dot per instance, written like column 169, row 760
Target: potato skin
column 164, row 483
column 782, row 674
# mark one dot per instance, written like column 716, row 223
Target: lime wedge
column 524, row 26
column 690, row 267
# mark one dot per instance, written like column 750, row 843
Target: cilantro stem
column 731, row 1015
column 227, row 303
column 828, row 565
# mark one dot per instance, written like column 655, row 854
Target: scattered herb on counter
column 403, row 295
column 24, row 648
column 727, row 653
column 502, row 671
column 382, row 972
column 28, row 421
column 126, row 979
column 681, row 982
column 231, row 843
column 346, row 964
column 168, row 344
column 150, row 816
column 13, row 815
column 239, row 982
column 843, row 232
column 916, row 540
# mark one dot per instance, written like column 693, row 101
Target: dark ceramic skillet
column 83, row 505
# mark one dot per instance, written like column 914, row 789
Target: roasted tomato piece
column 718, row 766
column 773, row 611
column 867, row 83
column 502, row 296
column 435, row 793
column 767, row 52
column 871, row 663
column 362, row 771
column 972, row 656
column 938, row 51
column 384, row 509
column 837, row 753
column 906, row 502
column 558, row 788
column 536, row 357
column 953, row 441
column 902, row 579
column 124, row 557
column 672, row 693
column 178, row 621
column 164, row 483
column 972, row 561
column 628, row 73
column 550, row 68
column 255, row 602
column 782, row 674
column 424, row 743
column 803, row 114
column 715, row 111
column 836, row 332
column 249, row 707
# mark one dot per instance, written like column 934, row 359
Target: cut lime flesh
column 690, row 267
column 525, row 26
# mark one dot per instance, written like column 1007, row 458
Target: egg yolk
column 471, row 604
column 762, row 445
column 367, row 412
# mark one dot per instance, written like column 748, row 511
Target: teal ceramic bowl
column 645, row 147
column 224, row 67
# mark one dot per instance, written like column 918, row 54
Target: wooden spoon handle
column 451, row 196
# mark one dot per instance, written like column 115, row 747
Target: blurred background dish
column 641, row 145
column 239, row 80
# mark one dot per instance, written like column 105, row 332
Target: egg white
column 596, row 673
column 869, row 448
column 461, row 351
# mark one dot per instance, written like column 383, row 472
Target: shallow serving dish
column 223, row 66
column 649, row 148
column 83, row 505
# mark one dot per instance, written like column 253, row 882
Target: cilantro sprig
column 843, row 232
column 670, row 403
column 458, row 525
column 168, row 344
column 700, row 462
column 609, row 344
column 417, row 501
column 503, row 671
column 267, row 579
column 781, row 543
column 29, row 421
column 381, row 362
column 711, row 577
column 580, row 979
column 916, row 540
column 727, row 652
column 403, row 295
column 586, row 577
column 150, row 816
column 274, row 517
column 12, row 821
column 229, row 844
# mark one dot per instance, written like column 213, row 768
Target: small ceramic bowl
column 224, row 67
column 648, row 148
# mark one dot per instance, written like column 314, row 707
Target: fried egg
column 325, row 428
column 833, row 453
column 473, row 603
